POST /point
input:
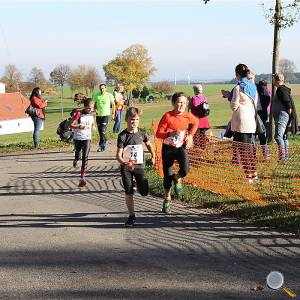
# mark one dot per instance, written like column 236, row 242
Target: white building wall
column 2, row 88
column 16, row 126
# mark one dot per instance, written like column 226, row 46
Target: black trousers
column 141, row 181
column 244, row 149
column 102, row 123
column 169, row 156
column 85, row 147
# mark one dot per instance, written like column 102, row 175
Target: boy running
column 130, row 154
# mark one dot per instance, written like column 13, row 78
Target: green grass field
column 220, row 112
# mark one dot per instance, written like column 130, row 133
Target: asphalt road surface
column 59, row 241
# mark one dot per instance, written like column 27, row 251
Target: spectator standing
column 198, row 106
column 243, row 122
column 119, row 106
column 284, row 112
column 104, row 102
column 262, row 110
column 38, row 120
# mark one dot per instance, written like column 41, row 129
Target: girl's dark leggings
column 169, row 156
column 85, row 146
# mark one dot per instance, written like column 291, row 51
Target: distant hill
column 268, row 78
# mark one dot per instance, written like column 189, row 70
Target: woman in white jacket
column 243, row 122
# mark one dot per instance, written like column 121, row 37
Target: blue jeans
column 281, row 137
column 38, row 123
column 118, row 120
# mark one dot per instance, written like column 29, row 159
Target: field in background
column 220, row 111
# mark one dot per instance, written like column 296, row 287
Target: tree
column 92, row 78
column 287, row 68
column 83, row 77
column 133, row 68
column 12, row 78
column 145, row 92
column 163, row 87
column 281, row 17
column 37, row 78
column 59, row 76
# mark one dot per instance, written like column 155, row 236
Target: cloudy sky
column 184, row 37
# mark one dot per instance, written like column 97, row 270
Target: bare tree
column 59, row 76
column 36, row 76
column 12, row 78
column 287, row 68
column 281, row 17
column 92, row 78
column 84, row 77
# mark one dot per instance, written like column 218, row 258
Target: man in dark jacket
column 284, row 113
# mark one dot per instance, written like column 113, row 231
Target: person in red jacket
column 176, row 128
column 38, row 120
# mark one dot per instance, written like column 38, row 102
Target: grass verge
column 274, row 215
column 47, row 143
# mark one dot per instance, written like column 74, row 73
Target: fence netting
column 230, row 168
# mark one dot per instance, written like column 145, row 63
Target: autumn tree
column 163, row 87
column 133, row 68
column 59, row 76
column 287, row 68
column 12, row 78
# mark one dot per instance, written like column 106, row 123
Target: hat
column 198, row 88
column 278, row 77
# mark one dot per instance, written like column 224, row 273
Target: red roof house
column 12, row 114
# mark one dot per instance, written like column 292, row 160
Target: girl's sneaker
column 82, row 182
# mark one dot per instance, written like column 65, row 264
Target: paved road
column 62, row 242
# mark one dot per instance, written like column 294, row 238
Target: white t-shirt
column 87, row 120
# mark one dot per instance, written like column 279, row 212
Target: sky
column 186, row 38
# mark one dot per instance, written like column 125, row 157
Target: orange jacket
column 171, row 121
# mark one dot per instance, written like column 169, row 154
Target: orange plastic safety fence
column 241, row 171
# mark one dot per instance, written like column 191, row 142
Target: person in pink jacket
column 198, row 106
column 38, row 120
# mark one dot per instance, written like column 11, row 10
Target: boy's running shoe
column 75, row 163
column 82, row 183
column 166, row 207
column 130, row 221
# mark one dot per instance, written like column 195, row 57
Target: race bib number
column 133, row 154
column 175, row 141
